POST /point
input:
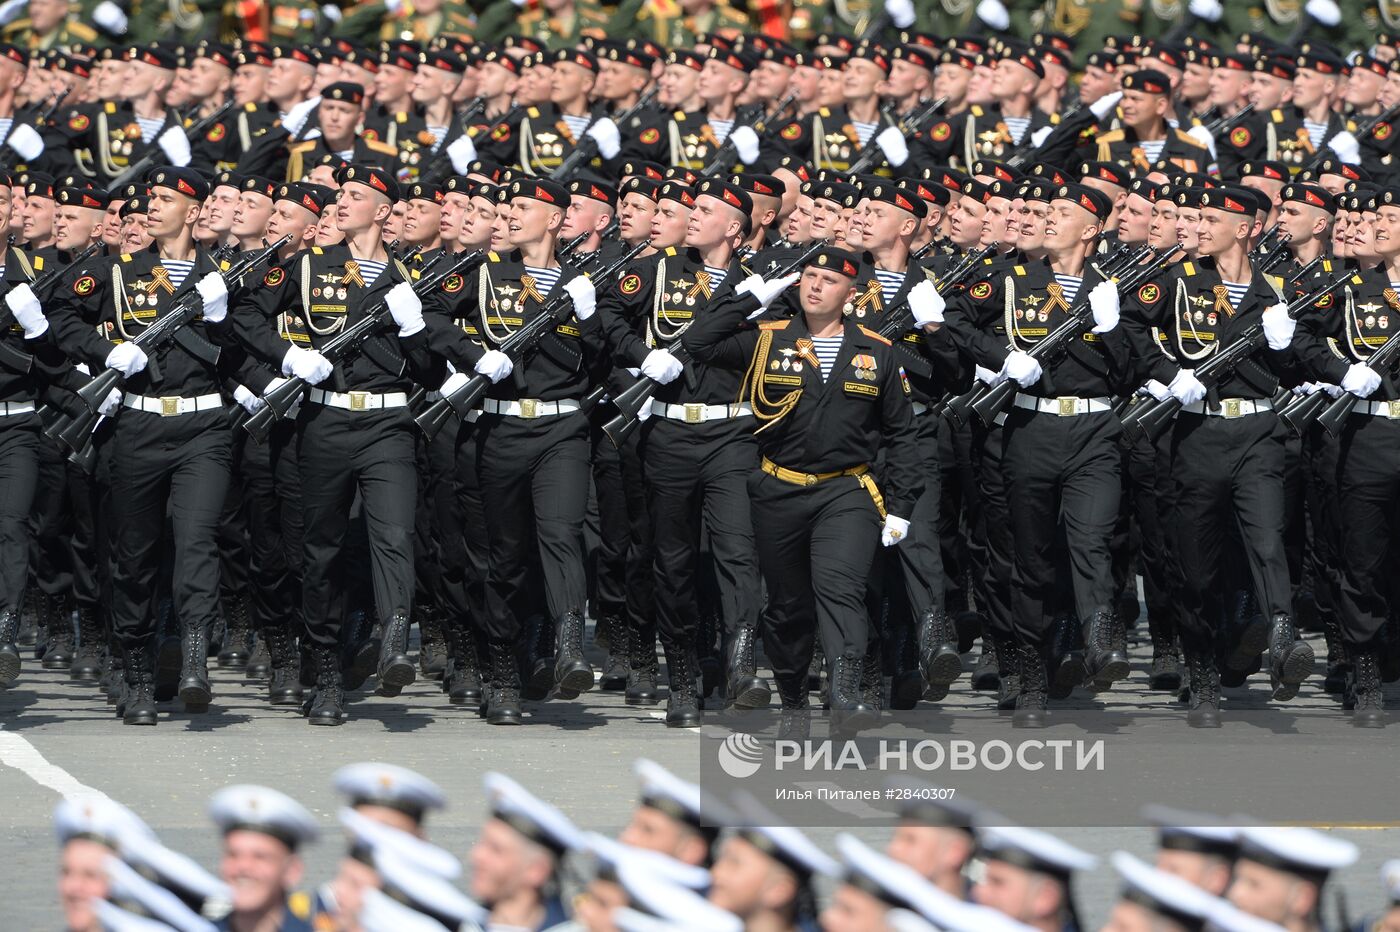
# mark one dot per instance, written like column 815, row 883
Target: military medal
column 1200, row 316
column 1383, row 322
column 1370, row 321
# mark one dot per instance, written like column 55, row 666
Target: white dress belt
column 1231, row 407
column 8, row 408
column 1377, row 408
column 1067, row 406
column 529, row 408
column 358, row 401
column 172, row 405
column 696, row 413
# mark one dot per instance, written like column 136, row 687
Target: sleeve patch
column 650, row 136
column 274, row 277
column 79, row 122
column 981, row 291
column 84, row 285
column 791, row 131
column 630, row 284
column 453, row 284
column 1240, row 136
column 216, row 133
column 1149, row 294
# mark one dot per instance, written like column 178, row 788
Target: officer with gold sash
column 828, row 397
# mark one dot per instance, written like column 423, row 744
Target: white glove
column 110, row 17
column 584, row 294
column 1307, row 388
column 1022, row 368
column 1186, row 388
column 127, row 358
column 10, row 9
column 1203, row 136
column 311, row 367
column 764, row 290
column 1346, row 147
column 111, row 403
column 1325, row 12
column 1105, row 104
column 1361, row 380
column 331, row 12
column 393, row 6
column 901, row 12
column 894, row 531
column 520, row 3
column 993, row 13
column 214, row 291
column 1039, row 136
column 891, row 142
column 462, row 152
column 661, row 367
column 926, row 304
column 1103, row 302
column 745, row 143
column 406, row 308
column 1157, row 390
column 987, row 377
column 1208, row 10
column 29, row 314
column 605, row 134
column 495, row 365
column 296, row 117
column 250, row 402
column 24, row 140
column 1333, row 391
column 1278, row 327
column 175, row 145
column 453, row 382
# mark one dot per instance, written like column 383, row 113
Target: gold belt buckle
column 808, row 479
column 169, row 405
column 1232, row 407
column 359, row 401
column 1394, row 408
column 1069, row 407
column 694, row 413
column 529, row 407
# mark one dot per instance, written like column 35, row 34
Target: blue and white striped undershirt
column 149, row 127
column 717, row 276
column 889, row 282
column 370, row 270
column 1017, row 126
column 722, row 128
column 5, row 125
column 1069, row 286
column 1152, row 149
column 1236, row 291
column 577, row 124
column 179, row 270
column 545, row 279
column 827, row 349
column 439, row 134
column 864, row 131
column 1316, row 132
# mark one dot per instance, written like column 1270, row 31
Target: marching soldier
column 556, row 24
column 338, row 116
column 677, row 25
column 1146, row 139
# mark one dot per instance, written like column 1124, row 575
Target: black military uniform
column 816, row 508
column 303, row 156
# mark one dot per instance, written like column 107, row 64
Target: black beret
column 836, row 260
column 1229, row 199
column 348, row 91
column 594, row 190
column 1091, row 199
column 371, row 176
column 184, row 181
column 1310, row 194
column 731, row 194
column 540, row 189
column 424, row 191
column 312, row 197
column 676, row 191
column 646, row 187
column 888, row 192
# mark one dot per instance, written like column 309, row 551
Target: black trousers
column 954, row 523
column 1368, row 493
column 1061, row 472
column 272, row 512
column 816, row 545
column 989, row 518
column 1147, row 475
column 919, row 556
column 697, row 477
column 177, row 467
column 1228, row 476
column 1323, row 563
column 534, row 485
column 615, row 502
column 51, row 556
column 438, row 524
column 19, row 476
column 466, row 559
column 341, row 453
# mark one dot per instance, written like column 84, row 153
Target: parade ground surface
column 58, row 738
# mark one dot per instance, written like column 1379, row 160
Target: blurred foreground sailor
column 669, row 817
column 766, row 872
column 935, row 837
column 1029, row 874
column 1281, row 873
column 261, row 862
column 88, row 831
column 396, row 796
column 517, row 858
column 1195, row 846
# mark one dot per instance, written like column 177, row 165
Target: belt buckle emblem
column 694, row 413
column 529, row 407
column 1232, row 407
column 1394, row 407
column 808, row 479
column 1069, row 407
column 359, row 401
column 169, row 405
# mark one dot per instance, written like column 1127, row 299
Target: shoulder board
column 671, row 250
column 126, row 257
column 533, row 112
column 824, row 111
column 1188, row 139
column 873, row 335
column 82, row 31
column 299, row 904
column 1326, row 265
column 38, row 263
column 679, row 114
column 773, row 324
column 303, row 146
column 1113, row 135
column 1054, row 119
column 317, row 251
column 493, row 257
column 250, row 107
column 384, row 147
column 593, row 13
column 988, row 261
column 110, row 107
column 977, row 110
column 401, row 117
column 1276, row 116
column 1019, row 269
column 223, row 265
column 1188, row 269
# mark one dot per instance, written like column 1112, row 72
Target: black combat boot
column 58, row 655
column 259, row 664
column 642, row 678
column 849, row 710
column 395, row 670
column 1368, row 703
column 985, row 674
column 572, row 674
column 1106, row 653
column 610, row 636
column 1205, row 690
column 87, row 660
column 907, row 685
column 1290, row 658
column 1338, row 662
column 1165, row 672
column 795, row 719
column 284, row 687
column 939, row 659
column 194, row 667
column 1068, row 668
column 1252, row 637
column 743, row 687
column 9, row 650
column 1031, row 703
column 432, row 646
column 539, row 659
column 503, row 686
column 137, row 705
column 462, row 677
column 170, row 654
column 28, row 613
column 1010, row 655
column 328, row 702
column 683, row 700
column 237, row 632
column 709, row 668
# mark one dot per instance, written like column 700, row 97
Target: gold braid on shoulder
column 767, row 412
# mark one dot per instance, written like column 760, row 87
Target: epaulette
column 873, row 335
column 679, row 114
column 977, row 111
column 671, row 250
column 1113, row 135
column 1326, row 265
column 1054, row 119
column 401, row 117
column 493, row 257
column 82, row 31
column 1190, row 140
column 384, row 147
column 223, row 265
column 110, row 107
column 38, row 263
column 1276, row 116
column 1019, row 269
column 532, row 112
column 303, row 146
column 824, row 111
column 773, row 324
column 250, row 107
column 593, row 13
column 126, row 257
column 1188, row 269
column 299, row 904
column 317, row 251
